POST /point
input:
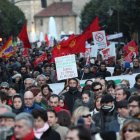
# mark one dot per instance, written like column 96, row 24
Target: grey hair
column 31, row 79
column 27, row 117
column 9, row 109
column 41, row 75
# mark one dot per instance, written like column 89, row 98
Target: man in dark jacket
column 136, row 67
column 103, row 71
column 72, row 94
column 106, row 119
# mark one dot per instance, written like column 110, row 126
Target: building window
column 41, row 22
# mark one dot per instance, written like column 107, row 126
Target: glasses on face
column 28, row 98
column 98, row 89
column 129, row 130
column 5, row 88
column 86, row 116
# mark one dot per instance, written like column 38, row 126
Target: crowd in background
column 29, row 110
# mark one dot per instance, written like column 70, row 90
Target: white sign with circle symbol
column 100, row 39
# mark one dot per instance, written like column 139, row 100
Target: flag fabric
column 24, row 36
column 77, row 44
column 93, row 27
column 40, row 59
column 25, row 52
column 47, row 40
column 130, row 50
column 108, row 52
column 7, row 50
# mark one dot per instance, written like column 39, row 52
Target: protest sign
column 114, row 36
column 66, row 67
column 100, row 39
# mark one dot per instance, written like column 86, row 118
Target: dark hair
column 3, row 97
column 64, row 118
column 74, row 79
column 88, row 81
column 17, row 96
column 110, row 84
column 94, row 84
column 83, row 133
column 44, row 86
column 36, row 113
column 137, row 77
column 55, row 96
column 134, row 98
column 86, row 92
column 52, row 111
column 87, row 87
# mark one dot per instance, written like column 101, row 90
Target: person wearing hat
column 106, row 118
column 123, row 112
column 4, row 86
column 7, row 122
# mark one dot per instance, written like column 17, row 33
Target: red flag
column 93, row 27
column 47, row 40
column 25, row 52
column 131, row 49
column 40, row 59
column 77, row 45
column 24, row 36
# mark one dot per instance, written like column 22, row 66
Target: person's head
column 37, row 94
column 61, row 101
column 97, row 102
column 135, row 62
column 120, row 94
column 47, row 68
column 5, row 108
column 102, row 66
column 4, row 87
column 73, row 82
column 126, row 83
column 54, row 100
column 134, row 105
column 12, row 91
column 104, row 84
column 17, row 77
column 17, row 101
column 78, row 133
column 86, row 69
column 52, row 117
column 107, row 103
column 28, row 99
column 28, row 82
column 88, row 82
column 64, row 118
column 46, row 90
column 85, row 96
column 111, row 88
column 97, row 88
column 23, row 69
column 130, row 129
column 84, row 113
column 137, row 79
column 7, row 119
column 40, row 118
column 24, row 123
column 3, row 98
column 41, row 80
column 122, row 108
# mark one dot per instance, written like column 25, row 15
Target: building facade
column 67, row 18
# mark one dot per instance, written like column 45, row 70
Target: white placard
column 114, row 36
column 66, row 67
column 100, row 39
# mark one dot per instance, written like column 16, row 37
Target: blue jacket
column 29, row 109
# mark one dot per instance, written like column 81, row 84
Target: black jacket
column 50, row 134
column 103, row 74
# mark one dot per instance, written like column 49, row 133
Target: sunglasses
column 98, row 89
column 5, row 88
column 86, row 116
column 129, row 130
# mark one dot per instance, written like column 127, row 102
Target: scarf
column 40, row 131
column 30, row 136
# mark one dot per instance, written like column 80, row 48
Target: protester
column 42, row 129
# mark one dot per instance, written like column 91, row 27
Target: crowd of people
column 100, row 110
